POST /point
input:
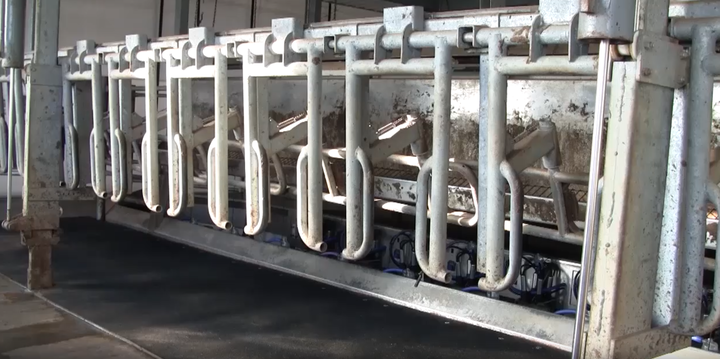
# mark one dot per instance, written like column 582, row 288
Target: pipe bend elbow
column 516, row 222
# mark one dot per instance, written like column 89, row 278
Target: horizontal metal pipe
column 682, row 28
column 547, row 65
column 413, row 161
column 79, row 76
column 295, row 69
column 391, row 67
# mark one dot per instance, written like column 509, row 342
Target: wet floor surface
column 179, row 302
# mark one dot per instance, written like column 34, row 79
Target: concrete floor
column 30, row 327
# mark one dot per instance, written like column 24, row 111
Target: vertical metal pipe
column 173, row 114
column 19, row 122
column 126, row 116
column 314, row 140
column 186, row 133
column 2, row 27
column 98, row 137
column 14, row 34
column 114, row 117
column 441, row 159
column 593, row 198
column 483, row 118
column 495, row 183
column 11, row 142
column 353, row 140
column 150, row 165
column 68, row 122
column 221, row 141
column 698, row 147
column 250, row 101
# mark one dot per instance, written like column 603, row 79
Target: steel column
column 41, row 217
column 626, row 261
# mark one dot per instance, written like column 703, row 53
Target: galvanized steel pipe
column 14, row 34
column 149, row 158
column 441, row 157
column 494, row 240
column 218, row 150
column 97, row 138
column 698, row 148
column 314, row 153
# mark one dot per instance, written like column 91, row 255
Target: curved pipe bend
column 122, row 190
column 95, row 172
column 219, row 216
column 263, row 200
column 315, row 244
column 712, row 321
column 182, row 186
column 435, row 271
column 368, row 209
column 516, row 222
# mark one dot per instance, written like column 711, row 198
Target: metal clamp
column 368, row 209
column 516, row 223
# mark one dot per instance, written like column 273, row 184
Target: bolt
column 646, row 72
column 681, row 81
column 649, row 45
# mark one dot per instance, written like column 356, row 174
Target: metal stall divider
column 180, row 122
column 120, row 119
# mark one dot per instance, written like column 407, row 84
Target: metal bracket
column 475, row 30
column 285, row 30
column 396, row 19
column 379, row 52
column 268, row 56
column 407, row 52
column 536, row 48
column 84, row 48
column 575, row 47
column 200, row 37
column 461, row 31
column 135, row 44
column 660, row 60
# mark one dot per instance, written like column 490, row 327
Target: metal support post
column 41, row 216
